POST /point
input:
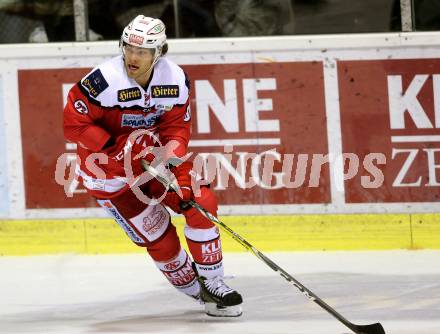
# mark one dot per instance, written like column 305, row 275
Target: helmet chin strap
column 148, row 72
column 156, row 59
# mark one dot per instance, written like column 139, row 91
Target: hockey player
column 142, row 89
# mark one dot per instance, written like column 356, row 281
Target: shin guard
column 180, row 274
column 206, row 250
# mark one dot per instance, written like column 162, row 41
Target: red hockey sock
column 206, row 250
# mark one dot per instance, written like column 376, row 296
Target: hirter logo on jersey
column 129, row 94
column 95, row 83
column 165, row 91
column 136, row 39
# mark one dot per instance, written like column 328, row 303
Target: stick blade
column 369, row 329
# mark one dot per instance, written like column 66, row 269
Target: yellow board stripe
column 267, row 233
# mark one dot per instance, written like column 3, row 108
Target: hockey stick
column 358, row 329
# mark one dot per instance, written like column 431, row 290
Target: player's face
column 138, row 62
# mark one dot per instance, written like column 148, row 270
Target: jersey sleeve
column 79, row 121
column 175, row 125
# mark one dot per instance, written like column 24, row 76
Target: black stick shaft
column 358, row 329
column 305, row 291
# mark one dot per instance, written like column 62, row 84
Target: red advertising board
column 392, row 107
column 291, row 98
column 269, row 111
column 41, row 117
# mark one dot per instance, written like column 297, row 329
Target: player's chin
column 131, row 74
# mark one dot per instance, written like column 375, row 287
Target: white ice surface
column 126, row 294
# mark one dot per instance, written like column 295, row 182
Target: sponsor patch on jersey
column 95, row 83
column 141, row 121
column 129, row 94
column 81, row 107
column 133, row 121
column 164, row 91
column 164, row 107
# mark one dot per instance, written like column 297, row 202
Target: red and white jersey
column 106, row 103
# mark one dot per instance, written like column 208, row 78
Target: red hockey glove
column 183, row 177
column 122, row 148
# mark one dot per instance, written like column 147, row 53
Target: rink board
column 273, row 97
column 266, row 233
column 270, row 96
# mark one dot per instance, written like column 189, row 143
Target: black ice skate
column 219, row 299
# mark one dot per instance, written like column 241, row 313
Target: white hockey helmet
column 145, row 32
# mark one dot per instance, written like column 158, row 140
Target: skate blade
column 213, row 310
